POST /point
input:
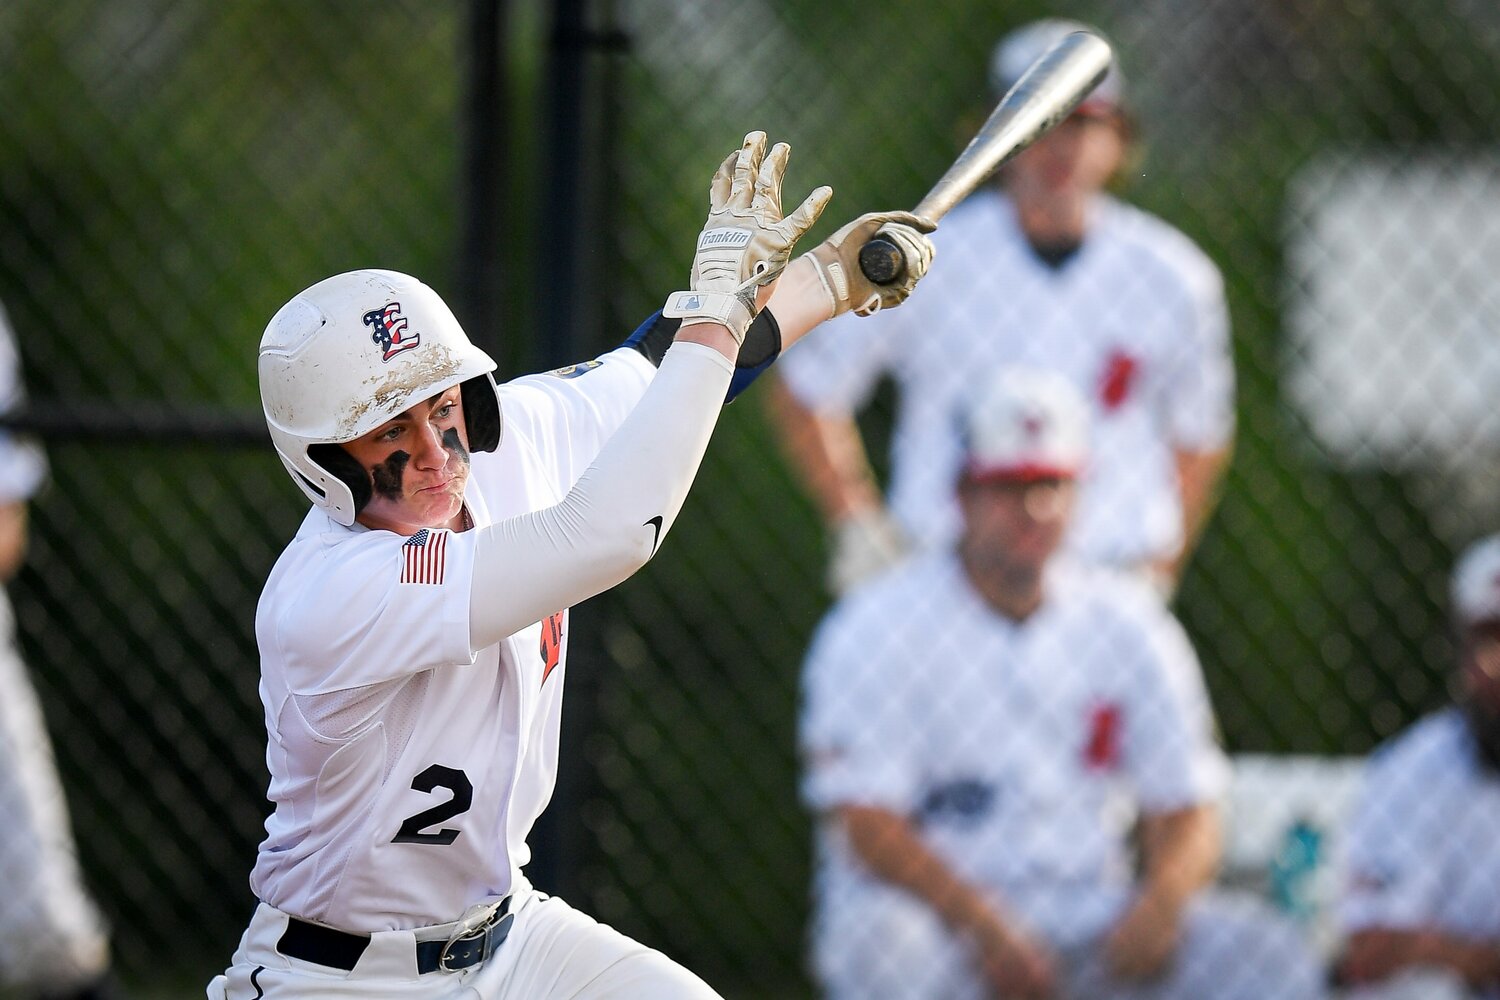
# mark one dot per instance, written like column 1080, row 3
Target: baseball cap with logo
column 1020, row 48
column 1476, row 583
column 1023, row 425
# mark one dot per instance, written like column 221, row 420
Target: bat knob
column 881, row 261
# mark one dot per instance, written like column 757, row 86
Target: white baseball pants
column 553, row 952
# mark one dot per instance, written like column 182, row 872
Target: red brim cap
column 1025, row 472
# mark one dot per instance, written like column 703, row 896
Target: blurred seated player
column 52, row 938
column 1042, row 268
column 413, row 635
column 985, row 725
column 1420, row 911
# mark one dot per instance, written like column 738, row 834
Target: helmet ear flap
column 481, row 413
column 346, row 469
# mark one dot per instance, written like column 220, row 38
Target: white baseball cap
column 1476, row 583
column 1024, row 424
column 1020, row 48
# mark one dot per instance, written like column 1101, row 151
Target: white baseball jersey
column 1022, row 750
column 1136, row 319
column 1424, row 844
column 407, row 768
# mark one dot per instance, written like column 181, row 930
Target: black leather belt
column 341, row 950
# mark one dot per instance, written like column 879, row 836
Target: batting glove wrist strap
column 734, row 310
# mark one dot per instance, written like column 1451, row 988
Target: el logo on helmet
column 390, row 331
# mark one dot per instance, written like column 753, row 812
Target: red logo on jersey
column 1102, row 751
column 1118, row 379
column 552, row 636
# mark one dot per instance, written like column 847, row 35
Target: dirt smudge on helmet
column 417, row 374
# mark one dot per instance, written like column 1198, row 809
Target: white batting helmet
column 348, row 354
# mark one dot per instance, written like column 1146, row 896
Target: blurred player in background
column 414, row 634
column 1046, row 270
column 1421, row 905
column 982, row 729
column 52, row 938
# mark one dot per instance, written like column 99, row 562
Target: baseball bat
column 1045, row 94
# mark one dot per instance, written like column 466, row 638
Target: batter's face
column 418, row 464
column 1013, row 527
column 1074, row 161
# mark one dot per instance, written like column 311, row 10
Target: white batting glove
column 746, row 242
column 837, row 260
column 864, row 544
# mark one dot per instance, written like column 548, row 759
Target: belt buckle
column 477, row 926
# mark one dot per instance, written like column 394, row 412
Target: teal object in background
column 1294, row 869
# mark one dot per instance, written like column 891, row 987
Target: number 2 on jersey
column 437, row 776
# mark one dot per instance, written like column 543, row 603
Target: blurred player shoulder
column 1154, row 244
column 919, row 587
column 1437, row 747
column 1106, row 593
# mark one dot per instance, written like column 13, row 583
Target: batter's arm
column 798, row 301
column 890, row 845
column 1180, row 852
column 813, row 288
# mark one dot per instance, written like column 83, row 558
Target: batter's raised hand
column 746, row 241
column 837, row 260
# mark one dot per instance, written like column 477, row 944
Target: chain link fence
column 170, row 173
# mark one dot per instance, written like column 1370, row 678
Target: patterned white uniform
column 1023, row 752
column 406, row 768
column 1424, row 844
column 51, row 934
column 1137, row 320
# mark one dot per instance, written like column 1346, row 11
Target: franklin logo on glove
column 724, row 238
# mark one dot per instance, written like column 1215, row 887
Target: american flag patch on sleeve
column 424, row 556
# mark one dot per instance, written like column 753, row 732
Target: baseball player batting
column 414, row 633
